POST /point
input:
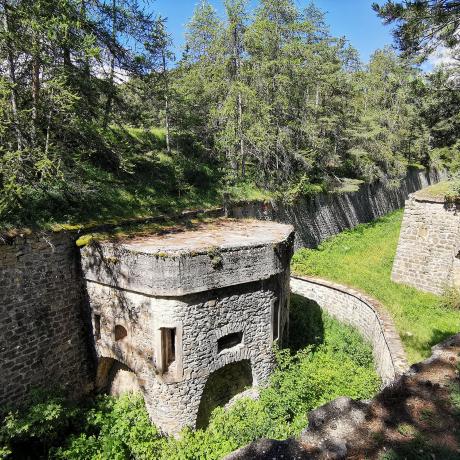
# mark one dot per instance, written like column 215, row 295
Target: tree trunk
column 166, row 89
column 12, row 76
column 110, row 94
column 35, row 97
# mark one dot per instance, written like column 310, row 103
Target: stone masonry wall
column 365, row 314
column 429, row 245
column 324, row 215
column 43, row 341
column 201, row 319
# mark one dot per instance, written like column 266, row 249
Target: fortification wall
column 192, row 314
column 365, row 314
column 428, row 254
column 319, row 217
column 43, row 338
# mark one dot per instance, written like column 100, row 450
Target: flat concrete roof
column 222, row 234
column 211, row 255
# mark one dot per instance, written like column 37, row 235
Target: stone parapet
column 225, row 253
column 364, row 313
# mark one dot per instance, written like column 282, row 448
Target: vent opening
column 229, row 341
column 97, row 327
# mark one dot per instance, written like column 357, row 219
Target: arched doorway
column 115, row 378
column 221, row 387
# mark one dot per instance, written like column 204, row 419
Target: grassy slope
column 128, row 176
column 440, row 190
column 363, row 258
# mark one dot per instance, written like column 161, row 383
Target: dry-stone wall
column 428, row 255
column 365, row 314
column 324, row 215
column 43, row 339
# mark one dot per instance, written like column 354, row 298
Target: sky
column 353, row 19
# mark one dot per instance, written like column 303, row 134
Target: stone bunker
column 189, row 318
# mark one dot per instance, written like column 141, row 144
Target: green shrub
column 115, row 429
column 47, row 418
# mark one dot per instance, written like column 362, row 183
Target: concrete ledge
column 220, row 254
column 365, row 314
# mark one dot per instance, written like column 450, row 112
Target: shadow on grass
column 306, row 325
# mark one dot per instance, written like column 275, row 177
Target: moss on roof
column 442, row 191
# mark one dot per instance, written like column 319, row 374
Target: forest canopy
column 99, row 120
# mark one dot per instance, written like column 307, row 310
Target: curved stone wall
column 365, row 314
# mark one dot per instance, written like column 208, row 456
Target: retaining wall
column 43, row 337
column 365, row 314
column 319, row 217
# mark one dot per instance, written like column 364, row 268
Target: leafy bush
column 47, row 418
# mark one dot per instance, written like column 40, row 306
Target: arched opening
column 115, row 378
column 221, row 387
column 120, row 332
column 229, row 341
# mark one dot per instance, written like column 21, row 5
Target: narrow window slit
column 168, row 343
column 275, row 323
column 97, row 327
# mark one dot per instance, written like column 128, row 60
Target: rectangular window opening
column 229, row 341
column 168, row 343
column 97, row 327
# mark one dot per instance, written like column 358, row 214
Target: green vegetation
column 325, row 360
column 363, row 258
column 99, row 122
column 445, row 189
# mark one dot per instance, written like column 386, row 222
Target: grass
column 126, row 175
column 363, row 258
column 443, row 189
